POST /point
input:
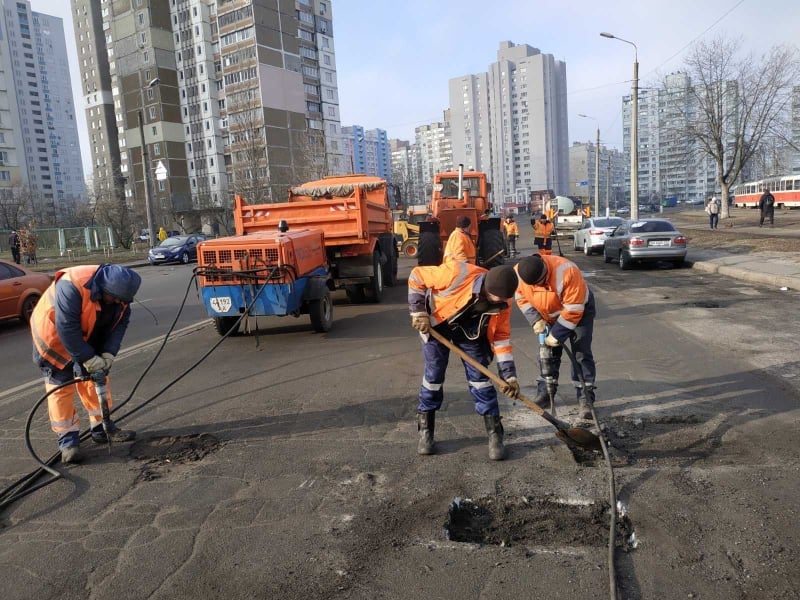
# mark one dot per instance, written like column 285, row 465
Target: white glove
column 540, row 326
column 109, row 358
column 551, row 341
column 94, row 364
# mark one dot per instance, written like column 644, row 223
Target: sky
column 394, row 59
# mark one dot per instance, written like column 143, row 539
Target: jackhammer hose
column 25, row 485
column 612, row 489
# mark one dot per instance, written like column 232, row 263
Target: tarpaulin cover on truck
column 336, row 191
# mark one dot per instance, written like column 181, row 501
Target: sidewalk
column 775, row 269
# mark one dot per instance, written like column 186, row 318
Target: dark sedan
column 645, row 240
column 179, row 248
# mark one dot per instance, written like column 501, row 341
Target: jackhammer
column 547, row 369
column 100, row 379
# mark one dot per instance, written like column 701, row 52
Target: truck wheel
column 430, row 249
column 410, row 248
column 224, row 324
column 390, row 270
column 374, row 291
column 491, row 245
column 321, row 313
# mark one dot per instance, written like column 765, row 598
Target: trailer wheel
column 224, row 324
column 430, row 249
column 321, row 313
column 410, row 248
column 374, row 290
column 491, row 245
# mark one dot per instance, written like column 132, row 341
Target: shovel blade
column 580, row 436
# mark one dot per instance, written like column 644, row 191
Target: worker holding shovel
column 552, row 294
column 470, row 307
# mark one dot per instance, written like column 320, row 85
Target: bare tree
column 20, row 206
column 735, row 101
column 248, row 173
column 108, row 206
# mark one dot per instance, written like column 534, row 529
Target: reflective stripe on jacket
column 448, row 289
column 65, row 317
column 459, row 247
column 542, row 230
column 560, row 300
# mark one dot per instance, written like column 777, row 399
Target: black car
column 179, row 248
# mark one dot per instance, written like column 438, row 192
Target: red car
column 20, row 290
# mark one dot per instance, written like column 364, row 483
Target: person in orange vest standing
column 512, row 233
column 460, row 246
column 542, row 234
column 77, row 327
column 469, row 306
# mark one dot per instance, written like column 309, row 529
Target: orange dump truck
column 355, row 217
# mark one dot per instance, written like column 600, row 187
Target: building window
column 161, row 185
column 150, row 93
column 157, row 149
column 140, row 16
column 152, row 112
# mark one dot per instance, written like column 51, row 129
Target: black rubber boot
column 426, row 422
column 494, row 429
column 585, row 402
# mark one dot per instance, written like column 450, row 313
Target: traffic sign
column 582, row 183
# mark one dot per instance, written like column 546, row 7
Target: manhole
column 543, row 522
column 702, row 304
column 174, row 449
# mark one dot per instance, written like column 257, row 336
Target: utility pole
column 608, row 185
column 597, row 175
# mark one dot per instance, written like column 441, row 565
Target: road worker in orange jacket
column 552, row 294
column 469, row 306
column 511, row 230
column 77, row 327
column 460, row 246
column 542, row 234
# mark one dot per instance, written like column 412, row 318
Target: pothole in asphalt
column 702, row 304
column 160, row 452
column 522, row 521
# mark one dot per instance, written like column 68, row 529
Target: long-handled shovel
column 577, row 435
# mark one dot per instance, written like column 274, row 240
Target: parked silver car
column 592, row 234
column 645, row 240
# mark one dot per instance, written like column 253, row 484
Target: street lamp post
column 148, row 201
column 634, row 126
column 596, row 168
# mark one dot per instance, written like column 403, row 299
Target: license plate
column 658, row 243
column 158, row 255
column 221, row 304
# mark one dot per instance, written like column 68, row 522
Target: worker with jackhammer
column 77, row 328
column 470, row 307
column 460, row 245
column 553, row 295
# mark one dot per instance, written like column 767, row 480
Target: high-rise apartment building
column 368, row 150
column 582, row 175
column 511, row 122
column 98, row 101
column 41, row 83
column 794, row 151
column 435, row 152
column 13, row 168
column 406, row 174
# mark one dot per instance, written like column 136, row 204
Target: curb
column 769, row 279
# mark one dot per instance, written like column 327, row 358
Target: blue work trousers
column 436, row 356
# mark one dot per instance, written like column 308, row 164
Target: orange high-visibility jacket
column 49, row 315
column 542, row 230
column 449, row 288
column 560, row 300
column 459, row 247
column 511, row 228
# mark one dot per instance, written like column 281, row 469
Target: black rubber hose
column 612, row 491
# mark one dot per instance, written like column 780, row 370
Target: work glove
column 551, row 341
column 510, row 387
column 421, row 323
column 540, row 326
column 109, row 358
column 94, row 364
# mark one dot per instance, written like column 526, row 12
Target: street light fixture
column 634, row 126
column 596, row 168
column 148, row 201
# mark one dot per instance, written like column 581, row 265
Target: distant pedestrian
column 511, row 229
column 14, row 245
column 162, row 234
column 712, row 210
column 766, row 205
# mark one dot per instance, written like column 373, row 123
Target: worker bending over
column 460, row 246
column 78, row 324
column 542, row 234
column 552, row 293
column 469, row 306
